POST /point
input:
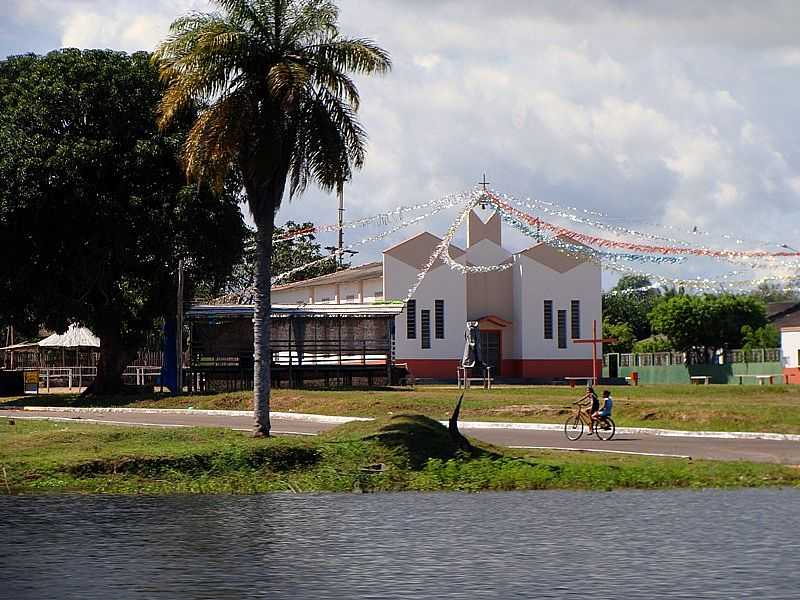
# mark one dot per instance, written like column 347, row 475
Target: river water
column 676, row 544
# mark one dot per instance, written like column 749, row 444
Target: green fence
column 734, row 372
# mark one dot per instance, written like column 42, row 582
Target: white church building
column 529, row 315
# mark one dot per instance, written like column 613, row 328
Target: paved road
column 770, row 451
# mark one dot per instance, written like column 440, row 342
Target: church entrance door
column 490, row 345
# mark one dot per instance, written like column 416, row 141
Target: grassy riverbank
column 393, row 454
column 715, row 408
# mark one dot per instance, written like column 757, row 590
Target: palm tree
column 279, row 105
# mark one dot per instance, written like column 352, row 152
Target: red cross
column 594, row 341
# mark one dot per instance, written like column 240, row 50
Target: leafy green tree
column 699, row 325
column 286, row 256
column 621, row 332
column 656, row 343
column 767, row 292
column 94, row 210
column 767, row 336
column 630, row 301
column 280, row 107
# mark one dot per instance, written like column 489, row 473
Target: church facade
column 529, row 315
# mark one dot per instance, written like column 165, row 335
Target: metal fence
column 81, row 377
column 663, row 359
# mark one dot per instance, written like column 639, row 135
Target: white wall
column 351, row 288
column 292, row 296
column 373, row 289
column 537, row 283
column 440, row 283
column 325, row 291
column 790, row 345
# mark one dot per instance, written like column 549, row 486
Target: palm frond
column 279, row 103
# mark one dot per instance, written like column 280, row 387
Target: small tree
column 621, row 332
column 767, row 336
column 700, row 325
column 286, row 256
column 630, row 301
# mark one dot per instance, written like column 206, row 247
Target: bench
column 463, row 380
column 761, row 379
column 573, row 380
column 700, row 379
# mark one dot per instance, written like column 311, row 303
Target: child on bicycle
column 608, row 403
column 594, row 405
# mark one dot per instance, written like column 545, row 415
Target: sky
column 680, row 113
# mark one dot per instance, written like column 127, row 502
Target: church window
column 575, row 319
column 425, row 321
column 439, row 318
column 548, row 319
column 562, row 329
column 411, row 320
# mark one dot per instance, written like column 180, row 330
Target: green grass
column 406, row 452
column 715, row 408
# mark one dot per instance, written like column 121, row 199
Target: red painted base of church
column 551, row 368
column 791, row 375
column 525, row 369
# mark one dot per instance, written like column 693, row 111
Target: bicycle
column 604, row 427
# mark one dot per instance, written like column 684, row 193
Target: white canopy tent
column 75, row 337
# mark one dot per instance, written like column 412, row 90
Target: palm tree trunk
column 262, row 356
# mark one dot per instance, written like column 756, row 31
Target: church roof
column 416, row 250
column 554, row 258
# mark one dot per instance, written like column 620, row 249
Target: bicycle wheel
column 573, row 428
column 604, row 429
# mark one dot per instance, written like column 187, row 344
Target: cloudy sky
column 682, row 113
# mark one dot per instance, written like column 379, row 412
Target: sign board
column 31, row 382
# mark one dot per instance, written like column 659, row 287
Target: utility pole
column 340, row 224
column 179, row 333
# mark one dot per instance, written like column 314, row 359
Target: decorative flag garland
column 574, row 243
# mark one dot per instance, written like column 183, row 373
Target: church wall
column 440, row 283
column 488, row 293
column 536, row 283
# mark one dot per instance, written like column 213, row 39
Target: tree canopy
column 286, row 256
column 94, row 210
column 699, row 325
column 630, row 301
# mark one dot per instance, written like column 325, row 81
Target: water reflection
column 711, row 544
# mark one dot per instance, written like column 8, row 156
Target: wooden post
column 594, row 341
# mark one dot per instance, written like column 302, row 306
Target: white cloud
column 682, row 112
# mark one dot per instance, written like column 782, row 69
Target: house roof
column 365, row 271
column 777, row 309
column 200, row 312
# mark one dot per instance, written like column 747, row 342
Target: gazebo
column 56, row 350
